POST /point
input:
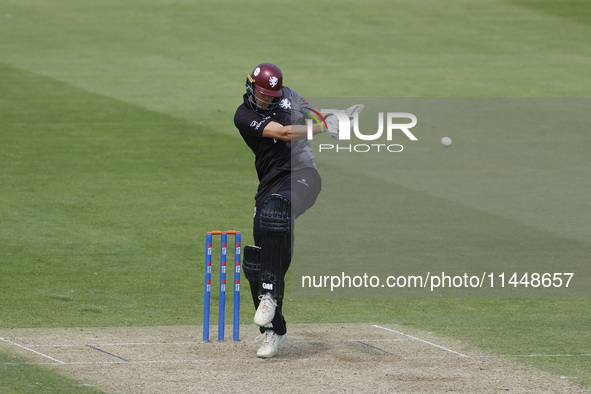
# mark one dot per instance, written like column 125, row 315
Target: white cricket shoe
column 271, row 343
column 266, row 310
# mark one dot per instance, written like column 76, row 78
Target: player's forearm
column 291, row 132
column 300, row 132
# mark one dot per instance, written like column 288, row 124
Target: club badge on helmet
column 267, row 78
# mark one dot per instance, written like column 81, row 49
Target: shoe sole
column 262, row 323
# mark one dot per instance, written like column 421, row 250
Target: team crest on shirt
column 273, row 81
column 285, row 104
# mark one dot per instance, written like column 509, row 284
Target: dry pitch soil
column 327, row 358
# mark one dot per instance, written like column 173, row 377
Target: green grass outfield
column 118, row 151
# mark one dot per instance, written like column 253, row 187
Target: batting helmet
column 267, row 78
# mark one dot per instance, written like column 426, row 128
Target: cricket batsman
column 289, row 184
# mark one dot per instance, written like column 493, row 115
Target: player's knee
column 276, row 214
column 250, row 263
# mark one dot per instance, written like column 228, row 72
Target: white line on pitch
column 346, row 340
column 31, row 350
column 170, row 361
column 200, row 343
column 118, row 344
column 421, row 340
column 545, row 355
column 338, row 340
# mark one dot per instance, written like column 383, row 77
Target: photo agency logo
column 343, row 125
